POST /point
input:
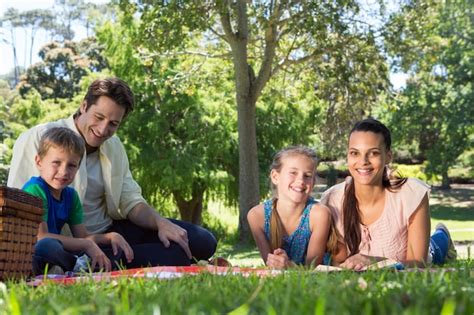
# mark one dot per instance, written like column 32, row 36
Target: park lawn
column 295, row 292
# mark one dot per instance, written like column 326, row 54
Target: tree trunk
column 248, row 161
column 190, row 210
column 248, row 89
column 445, row 179
column 249, row 193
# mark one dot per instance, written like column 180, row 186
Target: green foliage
column 265, row 40
column 435, row 109
column 21, row 113
column 179, row 138
column 415, row 171
column 63, row 66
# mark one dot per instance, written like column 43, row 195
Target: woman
column 380, row 216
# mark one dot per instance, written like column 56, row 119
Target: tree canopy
column 434, row 42
column 259, row 40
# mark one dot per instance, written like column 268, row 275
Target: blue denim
column 51, row 251
column 439, row 244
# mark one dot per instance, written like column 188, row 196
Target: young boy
column 58, row 158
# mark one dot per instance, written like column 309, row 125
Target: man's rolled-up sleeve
column 22, row 165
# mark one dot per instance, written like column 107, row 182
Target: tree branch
column 224, row 16
column 271, row 35
column 287, row 62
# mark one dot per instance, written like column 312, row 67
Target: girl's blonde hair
column 276, row 226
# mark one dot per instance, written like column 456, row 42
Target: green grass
column 455, row 208
column 296, row 292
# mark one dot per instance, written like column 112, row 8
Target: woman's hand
column 279, row 259
column 358, row 262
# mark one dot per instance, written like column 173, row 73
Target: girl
column 380, row 216
column 292, row 228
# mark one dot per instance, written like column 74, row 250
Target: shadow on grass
column 441, row 212
column 453, row 195
column 453, row 204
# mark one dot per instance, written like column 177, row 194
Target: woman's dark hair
column 350, row 207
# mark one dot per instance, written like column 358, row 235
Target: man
column 111, row 199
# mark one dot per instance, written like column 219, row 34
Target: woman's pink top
column 388, row 235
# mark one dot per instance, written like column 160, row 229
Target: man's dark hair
column 114, row 88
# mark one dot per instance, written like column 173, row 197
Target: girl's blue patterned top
column 296, row 244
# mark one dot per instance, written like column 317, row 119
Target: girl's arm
column 320, row 222
column 418, row 235
column 256, row 220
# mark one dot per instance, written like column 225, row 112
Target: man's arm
column 145, row 216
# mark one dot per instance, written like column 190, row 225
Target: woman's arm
column 418, row 235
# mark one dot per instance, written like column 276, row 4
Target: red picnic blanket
column 160, row 272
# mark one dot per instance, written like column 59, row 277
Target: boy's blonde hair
column 64, row 138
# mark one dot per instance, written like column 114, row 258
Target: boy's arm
column 79, row 243
column 115, row 240
column 69, row 243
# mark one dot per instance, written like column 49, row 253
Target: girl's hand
column 357, row 262
column 118, row 242
column 98, row 257
column 278, row 260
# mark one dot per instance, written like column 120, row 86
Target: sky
column 6, row 53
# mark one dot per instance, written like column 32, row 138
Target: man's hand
column 168, row 231
column 279, row 259
column 118, row 242
column 98, row 257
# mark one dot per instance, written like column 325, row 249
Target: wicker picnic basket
column 20, row 215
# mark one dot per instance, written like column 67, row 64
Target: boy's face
column 58, row 169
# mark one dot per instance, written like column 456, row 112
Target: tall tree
column 69, row 11
column 62, row 67
column 434, row 42
column 35, row 20
column 11, row 20
column 262, row 39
